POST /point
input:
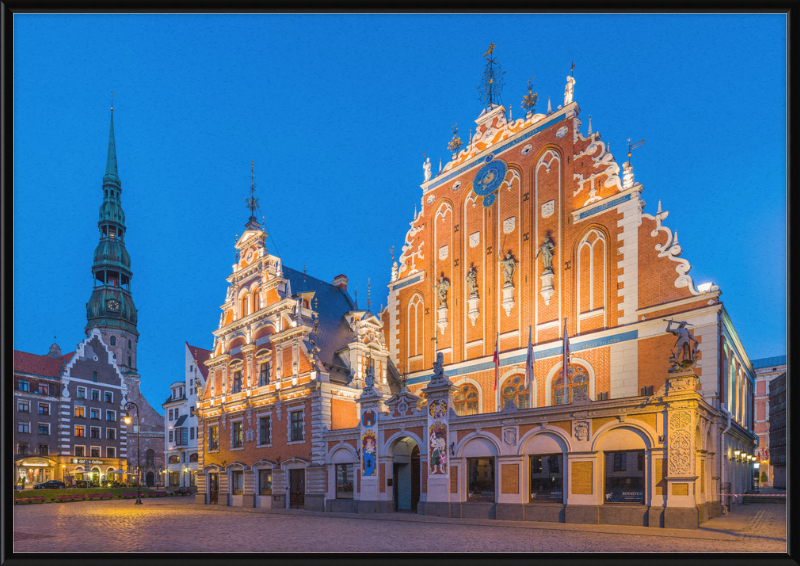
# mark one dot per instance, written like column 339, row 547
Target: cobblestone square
column 176, row 525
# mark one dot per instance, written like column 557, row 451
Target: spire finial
column 590, row 124
column 572, row 68
column 356, row 293
column 252, row 201
column 492, row 81
column 529, row 100
column 369, row 299
column 112, row 100
column 455, row 143
column 304, row 272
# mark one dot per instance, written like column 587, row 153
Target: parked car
column 52, row 484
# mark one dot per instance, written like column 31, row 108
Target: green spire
column 111, row 163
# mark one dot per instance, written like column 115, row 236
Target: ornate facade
column 532, row 231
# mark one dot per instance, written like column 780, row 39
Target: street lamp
column 127, row 419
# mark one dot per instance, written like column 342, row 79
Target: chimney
column 341, row 282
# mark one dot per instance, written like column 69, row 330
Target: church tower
column 110, row 307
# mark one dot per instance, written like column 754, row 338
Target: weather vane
column 369, row 299
column 572, row 68
column 455, row 143
column 529, row 100
column 252, row 202
column 631, row 147
column 492, row 81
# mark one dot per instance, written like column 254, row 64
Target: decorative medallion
column 430, row 199
column 474, row 239
column 456, row 185
column 438, row 409
column 510, row 436
column 526, row 150
column 368, row 418
column 548, row 208
column 489, row 199
column 509, row 224
column 402, row 408
column 443, row 252
column 582, row 430
column 562, row 131
column 249, row 257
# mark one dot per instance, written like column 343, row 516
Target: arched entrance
column 95, row 476
column 405, row 475
column 150, row 479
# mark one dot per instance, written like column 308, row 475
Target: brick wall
column 509, row 478
column 582, row 480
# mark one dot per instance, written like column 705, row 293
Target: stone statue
column 568, row 90
column 438, row 365
column 441, row 291
column 472, row 282
column 684, row 355
column 509, row 266
column 546, row 250
column 426, row 167
column 370, row 379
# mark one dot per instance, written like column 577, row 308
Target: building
column 180, row 420
column 766, row 370
column 87, row 390
column 777, row 431
column 528, row 234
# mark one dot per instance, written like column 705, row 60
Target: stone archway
column 406, row 475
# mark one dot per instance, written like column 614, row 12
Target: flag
column 565, row 353
column 529, row 361
column 496, row 361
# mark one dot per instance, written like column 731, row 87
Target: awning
column 180, row 421
column 35, row 462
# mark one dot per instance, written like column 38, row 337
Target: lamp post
column 127, row 420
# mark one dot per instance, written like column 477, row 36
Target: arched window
column 245, row 299
column 514, row 389
column 577, row 380
column 150, row 457
column 255, row 300
column 416, row 309
column 465, row 401
column 129, row 344
column 113, row 340
column 193, row 457
column 129, row 361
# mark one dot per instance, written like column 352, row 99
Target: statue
column 684, row 356
column 441, row 291
column 568, row 90
column 546, row 250
column 370, row 380
column 509, row 266
column 426, row 167
column 472, row 282
column 438, row 365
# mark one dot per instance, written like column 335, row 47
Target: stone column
column 369, row 409
column 682, row 398
column 249, row 373
column 439, row 395
column 224, row 488
column 249, row 492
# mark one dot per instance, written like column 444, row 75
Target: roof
column 774, row 361
column 332, row 304
column 44, row 366
column 180, row 421
column 200, row 355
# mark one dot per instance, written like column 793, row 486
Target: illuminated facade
column 767, row 369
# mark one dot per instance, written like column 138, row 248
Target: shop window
column 44, row 408
column 44, row 450
column 624, row 482
column 265, row 482
column 238, row 437
column 577, row 380
column 480, row 475
column 22, row 385
column 80, row 412
column 546, row 478
column 80, row 451
column 344, row 481
column 514, row 390
column 192, row 478
column 237, row 482
column 465, row 401
column 297, row 425
column 263, row 430
column 23, row 406
column 213, row 437
column 174, row 479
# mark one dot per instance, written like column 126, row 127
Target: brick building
column 777, row 431
column 766, row 370
column 87, row 390
column 528, row 233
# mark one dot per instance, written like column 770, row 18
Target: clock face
column 489, row 178
column 113, row 305
column 249, row 256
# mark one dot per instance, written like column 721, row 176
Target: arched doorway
column 95, row 476
column 150, row 479
column 405, row 475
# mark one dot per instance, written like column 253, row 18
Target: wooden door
column 297, row 488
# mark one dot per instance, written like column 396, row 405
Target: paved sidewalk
column 179, row 525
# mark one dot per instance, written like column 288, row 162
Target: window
column 95, row 452
column 109, row 396
column 624, row 484
column 297, row 425
column 577, row 380
column 191, row 433
column 237, row 382
column 514, row 390
column 111, row 416
column 129, row 344
column 43, row 389
column 344, row 481
column 174, row 479
column 111, row 452
column 24, row 427
column 111, row 433
column 602, row 396
column 44, row 428
column 263, row 373
column 22, row 448
column 44, row 449
column 95, row 432
column 191, row 411
column 150, row 457
column 174, row 459
column 94, row 376
column 80, row 412
column 80, row 451
column 193, row 457
column 81, row 393
column 170, row 415
column 95, row 394
column 546, row 478
column 182, row 436
column 480, row 475
column 22, row 385
column 129, row 361
column 170, row 436
column 44, row 408
column 465, row 401
column 237, row 482
column 113, row 340
column 213, row 437
column 94, row 414
column 191, row 367
column 80, row 430
column 263, row 430
column 238, row 439
column 23, row 406
column 265, row 482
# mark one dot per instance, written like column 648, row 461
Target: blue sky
column 336, row 111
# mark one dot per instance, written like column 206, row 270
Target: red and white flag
column 529, row 361
column 565, row 354
column 496, row 361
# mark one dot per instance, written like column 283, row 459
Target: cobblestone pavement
column 178, row 525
